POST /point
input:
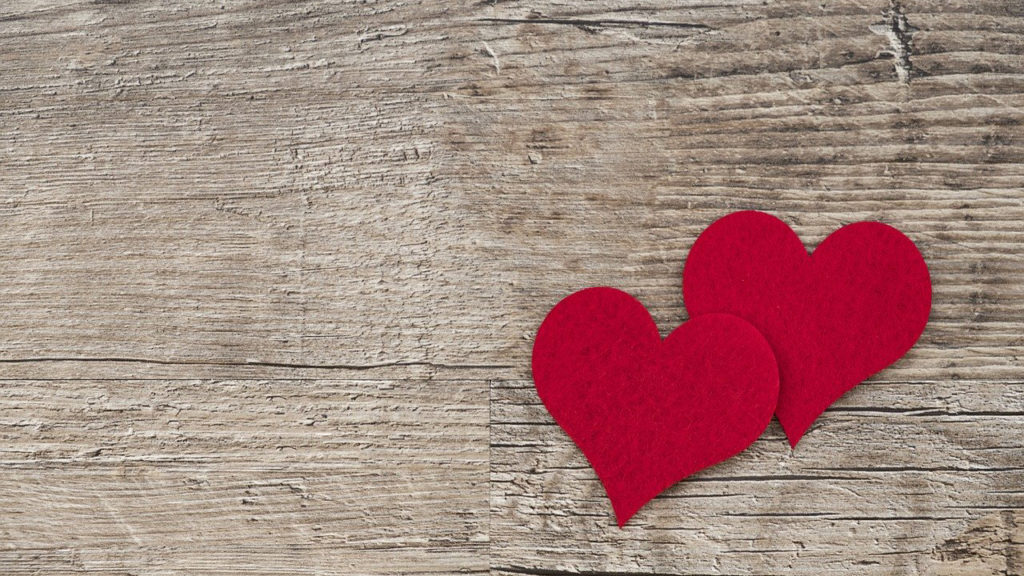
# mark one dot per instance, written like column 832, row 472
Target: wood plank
column 610, row 139
column 254, row 476
column 222, row 221
column 883, row 477
column 186, row 182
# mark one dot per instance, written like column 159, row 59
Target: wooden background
column 270, row 273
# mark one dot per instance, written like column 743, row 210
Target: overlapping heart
column 773, row 329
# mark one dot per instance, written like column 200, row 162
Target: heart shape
column 833, row 318
column 648, row 412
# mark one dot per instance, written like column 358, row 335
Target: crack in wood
column 256, row 363
column 596, row 24
column 550, row 572
column 898, row 31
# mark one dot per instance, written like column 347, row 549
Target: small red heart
column 834, row 318
column 648, row 412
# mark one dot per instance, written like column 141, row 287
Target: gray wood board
column 272, row 270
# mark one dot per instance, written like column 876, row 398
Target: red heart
column 834, row 318
column 648, row 412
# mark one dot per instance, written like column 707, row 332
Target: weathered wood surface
column 271, row 271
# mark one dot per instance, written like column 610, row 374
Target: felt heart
column 833, row 318
column 648, row 412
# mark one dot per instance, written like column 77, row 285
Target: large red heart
column 648, row 412
column 833, row 319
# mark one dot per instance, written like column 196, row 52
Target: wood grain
column 249, row 476
column 271, row 273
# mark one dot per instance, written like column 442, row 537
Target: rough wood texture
column 271, row 270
